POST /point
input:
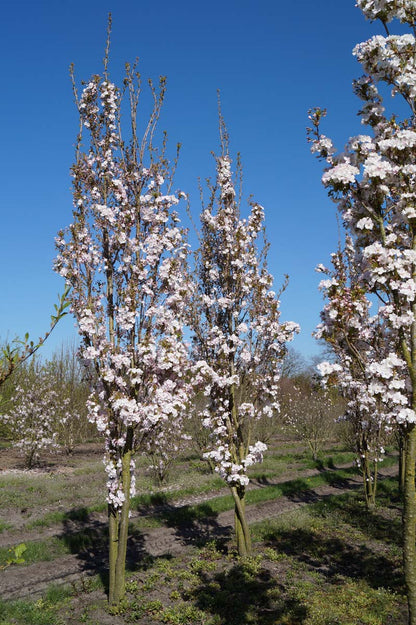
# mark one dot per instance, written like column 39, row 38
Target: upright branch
column 238, row 340
column 16, row 352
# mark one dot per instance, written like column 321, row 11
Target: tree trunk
column 242, row 531
column 370, row 482
column 113, row 523
column 401, row 441
column 119, row 529
column 120, row 568
column 409, row 522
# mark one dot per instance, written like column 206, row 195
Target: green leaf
column 19, row 550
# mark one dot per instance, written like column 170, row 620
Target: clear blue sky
column 272, row 61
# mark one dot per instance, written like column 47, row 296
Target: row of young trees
column 43, row 406
column 370, row 317
column 125, row 258
column 43, row 410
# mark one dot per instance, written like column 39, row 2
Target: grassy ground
column 327, row 563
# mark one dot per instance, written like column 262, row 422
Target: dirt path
column 22, row 581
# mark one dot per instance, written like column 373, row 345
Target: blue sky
column 271, row 60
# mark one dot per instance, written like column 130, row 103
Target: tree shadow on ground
column 336, row 558
column 301, row 491
column 383, row 524
column 240, row 596
column 293, row 486
column 262, row 479
column 195, row 525
column 87, row 538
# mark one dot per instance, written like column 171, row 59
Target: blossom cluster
column 386, row 10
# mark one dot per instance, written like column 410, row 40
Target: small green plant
column 251, row 565
column 154, row 607
column 273, row 555
column 175, row 595
column 132, row 586
column 16, row 556
column 202, row 566
column 182, row 615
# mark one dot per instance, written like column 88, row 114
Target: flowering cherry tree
column 373, row 183
column 166, row 441
column 368, row 372
column 69, row 380
column 36, row 409
column 124, row 256
column 310, row 411
column 238, row 340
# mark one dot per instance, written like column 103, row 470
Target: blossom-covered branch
column 238, row 342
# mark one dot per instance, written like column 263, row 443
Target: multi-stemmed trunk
column 118, row 521
column 242, row 532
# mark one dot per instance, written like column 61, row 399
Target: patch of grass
column 42, row 550
column 58, row 546
column 56, row 594
column 182, row 614
column 188, row 515
column 330, row 605
column 164, row 497
column 73, row 542
column 44, row 611
column 382, row 523
column 4, row 526
column 330, row 460
column 292, row 487
column 339, row 539
column 323, row 564
column 57, row 516
column 24, row 491
column 251, row 591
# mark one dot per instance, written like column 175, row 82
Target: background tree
column 165, row 443
column 71, row 382
column 238, row 340
column 310, row 412
column 32, row 414
column 373, row 183
column 124, row 256
column 361, row 344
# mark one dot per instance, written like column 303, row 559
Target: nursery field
column 319, row 557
